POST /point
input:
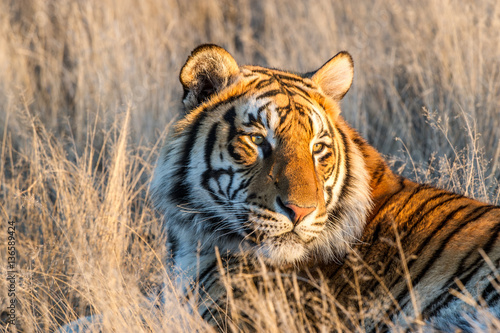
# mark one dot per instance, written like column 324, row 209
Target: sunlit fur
column 220, row 191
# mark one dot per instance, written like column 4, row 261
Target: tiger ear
column 207, row 71
column 335, row 76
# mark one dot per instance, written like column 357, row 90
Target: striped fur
column 263, row 167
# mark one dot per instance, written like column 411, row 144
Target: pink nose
column 299, row 212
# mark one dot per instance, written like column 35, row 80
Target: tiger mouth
column 279, row 251
column 293, row 236
column 257, row 237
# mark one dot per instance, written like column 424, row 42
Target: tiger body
column 440, row 234
column 264, row 167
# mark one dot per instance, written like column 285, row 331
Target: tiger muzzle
column 298, row 189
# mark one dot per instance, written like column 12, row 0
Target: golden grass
column 89, row 88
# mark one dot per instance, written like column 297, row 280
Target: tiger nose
column 299, row 212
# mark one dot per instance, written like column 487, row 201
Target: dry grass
column 88, row 89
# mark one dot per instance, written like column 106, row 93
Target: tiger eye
column 257, row 139
column 318, row 147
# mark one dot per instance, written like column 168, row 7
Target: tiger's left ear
column 208, row 70
column 335, row 76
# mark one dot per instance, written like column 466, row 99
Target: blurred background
column 88, row 90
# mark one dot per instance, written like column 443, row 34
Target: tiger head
column 262, row 164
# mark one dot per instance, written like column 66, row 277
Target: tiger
column 262, row 165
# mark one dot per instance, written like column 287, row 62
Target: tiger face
column 268, row 180
column 259, row 165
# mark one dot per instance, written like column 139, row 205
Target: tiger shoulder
column 263, row 168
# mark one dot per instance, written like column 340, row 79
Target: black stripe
column 379, row 173
column 251, row 82
column 265, row 216
column 310, row 122
column 197, row 283
column 422, row 215
column 424, row 242
column 174, row 244
column 260, row 205
column 328, row 173
column 211, row 271
column 264, row 71
column 263, row 83
column 180, row 192
column 494, row 234
column 358, row 141
column 449, row 297
column 297, row 91
column 252, row 120
column 262, row 108
column 415, row 280
column 476, row 213
column 375, row 234
column 443, row 300
column 215, row 174
column 487, row 248
column 329, row 196
column 266, row 149
column 230, row 182
column 490, row 292
column 230, row 266
column 409, row 233
column 374, row 242
column 338, row 157
column 284, row 76
column 346, row 186
column 324, row 157
column 297, row 80
column 361, row 144
column 389, row 198
column 387, row 227
column 209, row 145
column 494, row 297
column 248, row 74
column 418, row 188
column 230, row 118
column 270, row 93
column 437, row 253
column 208, row 311
column 243, row 185
column 324, row 133
column 430, row 235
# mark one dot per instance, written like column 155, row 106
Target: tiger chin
column 263, row 167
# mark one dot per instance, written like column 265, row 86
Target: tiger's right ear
column 207, row 71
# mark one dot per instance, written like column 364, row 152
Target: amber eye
column 257, row 139
column 318, row 148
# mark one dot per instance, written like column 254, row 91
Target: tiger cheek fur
column 240, row 149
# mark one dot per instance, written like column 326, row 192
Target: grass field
column 88, row 90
